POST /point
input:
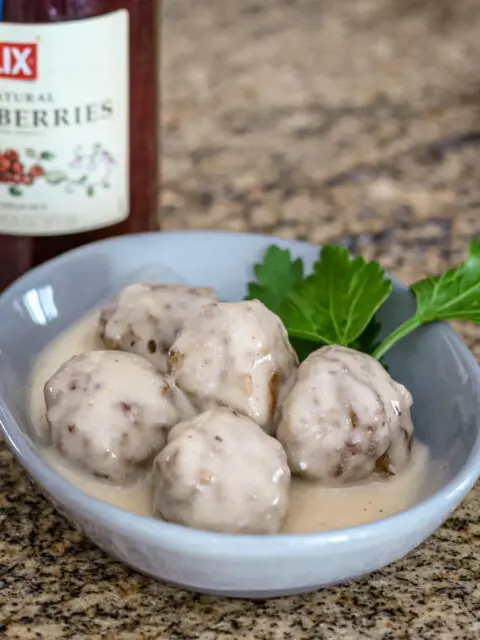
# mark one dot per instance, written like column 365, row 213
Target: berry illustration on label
column 89, row 170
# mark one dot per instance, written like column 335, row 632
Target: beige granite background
column 353, row 120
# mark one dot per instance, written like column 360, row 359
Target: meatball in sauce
column 235, row 354
column 345, row 418
column 108, row 412
column 222, row 472
column 146, row 318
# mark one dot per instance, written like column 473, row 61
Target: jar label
column 64, row 125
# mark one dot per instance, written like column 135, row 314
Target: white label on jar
column 64, row 125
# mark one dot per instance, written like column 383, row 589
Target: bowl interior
column 433, row 363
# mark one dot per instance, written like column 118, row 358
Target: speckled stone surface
column 356, row 120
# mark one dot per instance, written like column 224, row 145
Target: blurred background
column 353, row 120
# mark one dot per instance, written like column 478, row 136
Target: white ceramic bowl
column 434, row 364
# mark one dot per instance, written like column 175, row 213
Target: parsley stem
column 400, row 332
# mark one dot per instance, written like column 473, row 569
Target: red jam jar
column 79, row 112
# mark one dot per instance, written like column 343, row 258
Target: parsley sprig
column 337, row 302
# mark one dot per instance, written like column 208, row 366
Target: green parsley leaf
column 334, row 305
column 277, row 276
column 338, row 301
column 455, row 295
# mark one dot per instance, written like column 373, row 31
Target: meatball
column 109, row 412
column 222, row 472
column 235, row 354
column 345, row 418
column 146, row 318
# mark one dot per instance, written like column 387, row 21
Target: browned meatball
column 146, row 318
column 345, row 418
column 221, row 472
column 109, row 412
column 235, row 354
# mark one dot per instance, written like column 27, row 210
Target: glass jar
column 79, row 112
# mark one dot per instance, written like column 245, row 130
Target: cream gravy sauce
column 312, row 507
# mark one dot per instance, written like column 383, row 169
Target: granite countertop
column 356, row 120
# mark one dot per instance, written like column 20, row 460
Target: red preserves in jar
column 79, row 109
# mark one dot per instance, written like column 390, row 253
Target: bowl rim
column 207, row 543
